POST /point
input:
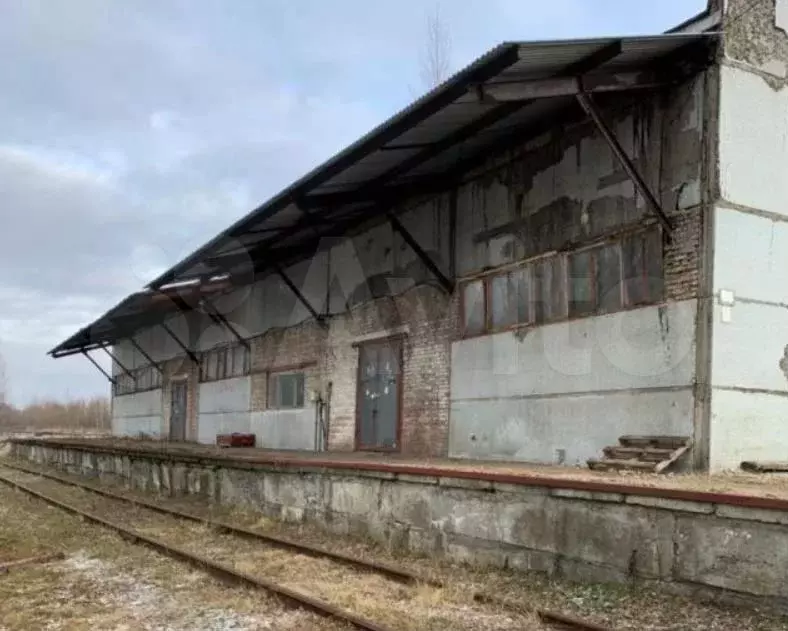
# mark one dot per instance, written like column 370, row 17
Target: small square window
column 286, row 390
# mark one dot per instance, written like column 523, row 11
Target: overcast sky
column 133, row 131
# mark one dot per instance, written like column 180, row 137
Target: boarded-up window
column 608, row 278
column 503, row 310
column 520, row 284
column 473, row 307
column 510, row 298
column 549, row 302
column 286, row 390
column 240, row 361
column 581, row 283
column 600, row 279
column 642, row 268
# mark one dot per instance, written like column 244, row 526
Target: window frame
column 219, row 363
column 649, row 238
column 273, row 394
column 130, row 384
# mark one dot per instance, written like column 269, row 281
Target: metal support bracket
column 183, row 346
column 142, row 352
column 587, row 103
column 445, row 281
column 219, row 318
column 117, row 361
column 291, row 285
column 109, row 377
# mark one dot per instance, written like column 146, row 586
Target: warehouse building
column 566, row 242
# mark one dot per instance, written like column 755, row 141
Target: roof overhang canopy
column 515, row 87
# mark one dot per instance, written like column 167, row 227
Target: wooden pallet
column 647, row 454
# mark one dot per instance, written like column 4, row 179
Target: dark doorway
column 379, row 396
column 178, row 410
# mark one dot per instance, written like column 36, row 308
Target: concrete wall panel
column 284, row 429
column 753, row 150
column 223, row 408
column 749, row 347
column 567, row 427
column 747, row 426
column 751, row 256
column 574, row 386
column 137, row 413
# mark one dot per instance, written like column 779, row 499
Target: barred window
column 140, row 380
column 225, row 362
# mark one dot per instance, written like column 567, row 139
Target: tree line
column 89, row 414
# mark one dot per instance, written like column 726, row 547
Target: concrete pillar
column 749, row 340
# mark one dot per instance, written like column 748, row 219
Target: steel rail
column 396, row 573
column 400, row 574
column 220, row 570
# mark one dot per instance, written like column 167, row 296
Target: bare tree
column 436, row 56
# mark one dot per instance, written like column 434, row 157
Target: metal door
column 378, row 400
column 178, row 411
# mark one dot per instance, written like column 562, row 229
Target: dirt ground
column 622, row 607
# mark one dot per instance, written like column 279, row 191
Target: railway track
column 226, row 571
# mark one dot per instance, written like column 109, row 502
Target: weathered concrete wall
column 567, row 389
column 223, row 408
column 523, row 397
column 285, row 429
column 138, row 413
column 701, row 548
column 750, row 328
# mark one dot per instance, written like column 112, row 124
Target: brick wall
column 174, row 369
column 681, row 263
column 331, row 354
column 299, row 347
column 428, row 318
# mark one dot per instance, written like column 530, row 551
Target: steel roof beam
column 592, row 61
column 109, row 377
column 590, row 108
column 144, row 353
column 183, row 346
column 567, row 86
column 445, row 281
column 220, row 319
column 292, row 286
column 117, row 361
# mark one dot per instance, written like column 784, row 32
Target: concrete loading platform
column 711, row 537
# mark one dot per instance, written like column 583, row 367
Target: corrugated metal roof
column 426, row 141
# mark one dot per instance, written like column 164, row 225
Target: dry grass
column 373, row 596
column 106, row 583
